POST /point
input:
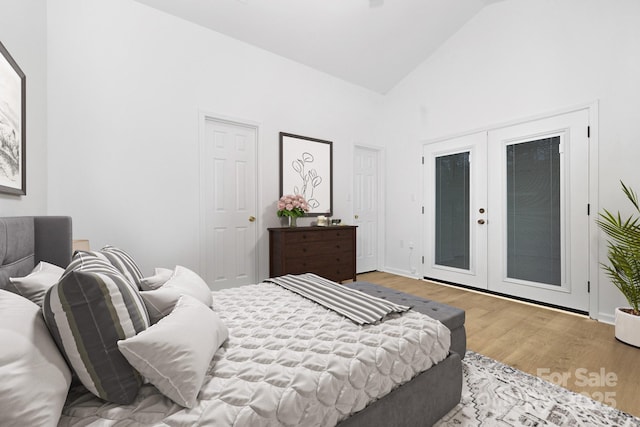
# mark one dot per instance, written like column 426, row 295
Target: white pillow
column 160, row 302
column 192, row 284
column 159, row 278
column 175, row 353
column 183, row 281
column 37, row 283
column 35, row 377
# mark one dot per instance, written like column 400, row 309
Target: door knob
column 252, row 218
column 481, row 221
column 356, row 216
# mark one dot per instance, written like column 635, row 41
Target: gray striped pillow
column 121, row 260
column 88, row 311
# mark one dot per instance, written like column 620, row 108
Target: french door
column 508, row 210
column 456, row 175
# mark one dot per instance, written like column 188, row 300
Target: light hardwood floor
column 570, row 350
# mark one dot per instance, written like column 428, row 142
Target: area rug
column 497, row 395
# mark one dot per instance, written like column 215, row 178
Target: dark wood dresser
column 326, row 251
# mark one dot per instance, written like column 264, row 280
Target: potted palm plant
column 624, row 266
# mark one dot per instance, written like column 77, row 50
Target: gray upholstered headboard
column 27, row 240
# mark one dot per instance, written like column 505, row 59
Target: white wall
column 23, row 33
column 126, row 84
column 516, row 59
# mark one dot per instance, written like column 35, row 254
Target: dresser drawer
column 324, row 268
column 315, row 262
column 328, row 234
column 317, row 249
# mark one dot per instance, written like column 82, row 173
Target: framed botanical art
column 12, row 126
column 306, row 169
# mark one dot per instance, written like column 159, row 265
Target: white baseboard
column 403, row 273
column 606, row 318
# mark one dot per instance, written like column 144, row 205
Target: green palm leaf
column 623, row 254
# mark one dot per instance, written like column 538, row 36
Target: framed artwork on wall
column 12, row 126
column 306, row 168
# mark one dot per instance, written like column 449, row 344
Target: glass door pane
column 452, row 213
column 533, row 211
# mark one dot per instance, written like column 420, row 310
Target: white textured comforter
column 288, row 362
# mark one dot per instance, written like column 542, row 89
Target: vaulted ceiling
column 370, row 43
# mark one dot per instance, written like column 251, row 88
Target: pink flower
column 292, row 205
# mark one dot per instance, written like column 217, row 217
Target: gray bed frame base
column 25, row 241
column 419, row 403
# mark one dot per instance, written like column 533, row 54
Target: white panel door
column 455, row 210
column 365, row 207
column 228, row 174
column 538, row 223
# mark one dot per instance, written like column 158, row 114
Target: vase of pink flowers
column 292, row 206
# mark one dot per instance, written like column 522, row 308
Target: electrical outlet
column 410, row 245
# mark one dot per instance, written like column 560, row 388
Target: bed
column 423, row 388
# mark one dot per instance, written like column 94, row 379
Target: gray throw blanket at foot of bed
column 361, row 308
